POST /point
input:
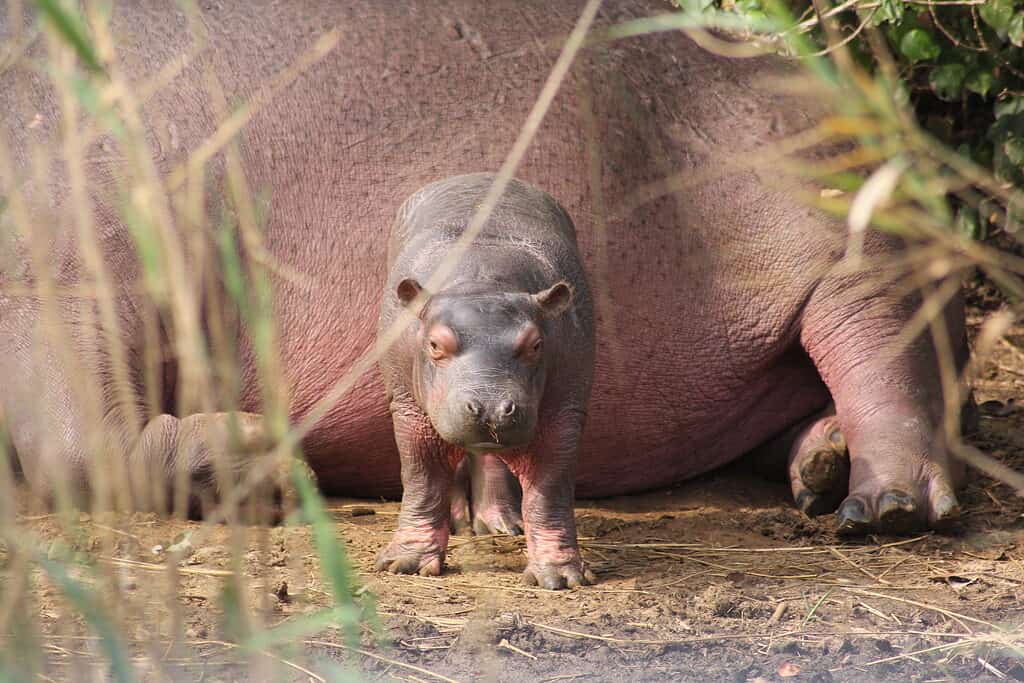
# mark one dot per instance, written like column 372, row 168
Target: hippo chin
column 724, row 318
column 499, row 360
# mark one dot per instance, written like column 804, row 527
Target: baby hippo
column 498, row 361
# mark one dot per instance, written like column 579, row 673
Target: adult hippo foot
column 232, row 449
column 892, row 506
column 819, row 464
column 570, row 572
column 815, row 460
column 867, row 499
column 414, row 551
column 905, row 494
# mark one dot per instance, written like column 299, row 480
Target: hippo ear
column 408, row 289
column 554, row 300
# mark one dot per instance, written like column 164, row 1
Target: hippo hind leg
column 486, row 497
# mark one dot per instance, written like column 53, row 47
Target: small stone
column 157, row 549
column 281, row 593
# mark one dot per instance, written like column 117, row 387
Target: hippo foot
column 414, row 551
column 896, row 510
column 570, row 573
column 819, row 466
column 493, row 519
column 486, row 498
column 819, row 472
column 497, row 519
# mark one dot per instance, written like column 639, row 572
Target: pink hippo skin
column 721, row 318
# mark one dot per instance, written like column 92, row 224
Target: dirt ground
column 720, row 579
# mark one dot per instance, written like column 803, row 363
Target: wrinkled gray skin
column 723, row 312
column 498, row 361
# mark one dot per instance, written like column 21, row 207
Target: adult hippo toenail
column 853, row 517
column 899, row 512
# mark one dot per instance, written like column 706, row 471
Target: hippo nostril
column 507, row 408
column 473, row 408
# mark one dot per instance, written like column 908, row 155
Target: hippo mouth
column 488, row 446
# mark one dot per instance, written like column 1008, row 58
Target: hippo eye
column 538, row 345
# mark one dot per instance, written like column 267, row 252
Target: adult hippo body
column 720, row 318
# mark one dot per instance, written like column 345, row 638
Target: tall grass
column 167, row 223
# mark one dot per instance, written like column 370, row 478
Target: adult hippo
column 722, row 318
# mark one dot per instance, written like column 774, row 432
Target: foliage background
column 961, row 68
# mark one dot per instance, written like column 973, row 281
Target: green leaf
column 967, row 223
column 997, row 14
column 981, row 82
column 947, row 81
column 890, row 11
column 72, row 29
column 1009, row 107
column 918, row 45
column 334, row 561
column 1014, row 150
column 234, row 621
column 1015, row 29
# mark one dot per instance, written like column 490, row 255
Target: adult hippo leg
column 207, row 452
column 43, row 417
column 67, row 440
column 547, row 472
column 428, row 469
column 486, row 497
column 888, row 402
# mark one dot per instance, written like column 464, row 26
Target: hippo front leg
column 428, row 469
column 888, row 401
column 547, row 472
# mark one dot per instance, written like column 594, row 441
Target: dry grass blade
column 379, row 658
column 959, row 618
column 648, row 641
column 153, row 567
column 856, row 566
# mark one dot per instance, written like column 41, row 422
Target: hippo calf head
column 481, row 361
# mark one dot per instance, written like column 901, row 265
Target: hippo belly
column 343, row 146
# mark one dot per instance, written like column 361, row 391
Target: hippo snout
column 495, row 424
column 501, row 414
